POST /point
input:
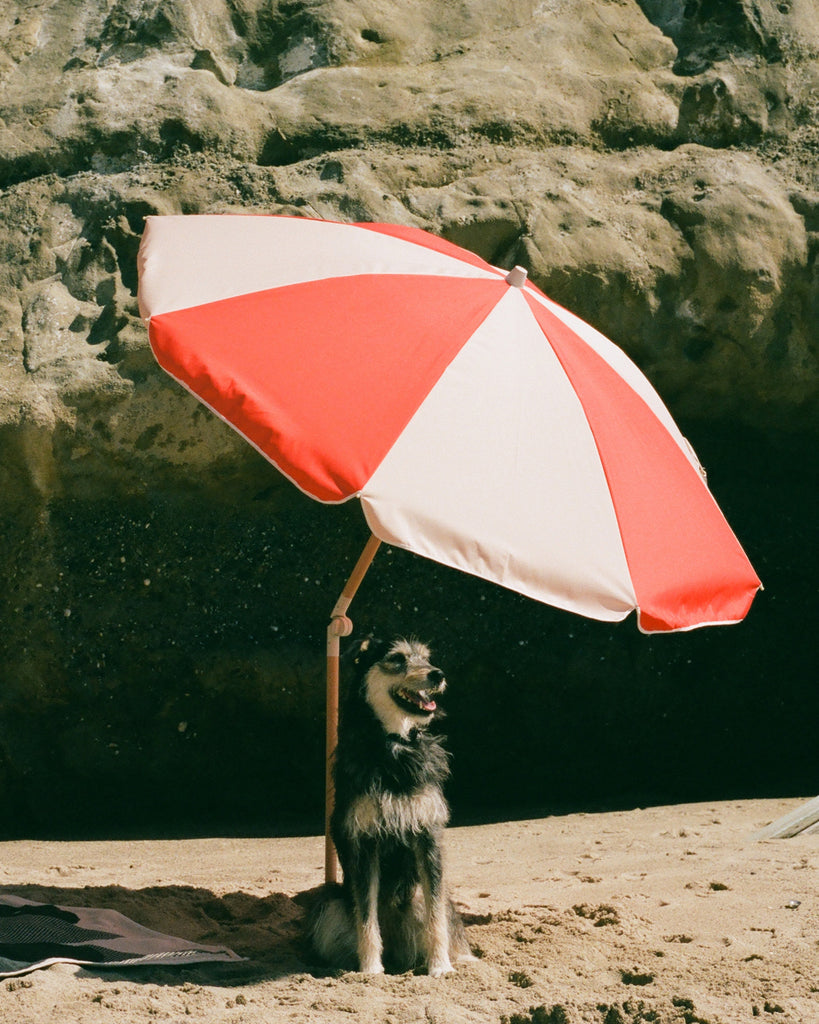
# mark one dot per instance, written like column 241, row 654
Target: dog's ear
column 364, row 653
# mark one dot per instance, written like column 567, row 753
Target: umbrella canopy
column 478, row 422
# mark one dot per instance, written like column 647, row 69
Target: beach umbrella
column 476, row 421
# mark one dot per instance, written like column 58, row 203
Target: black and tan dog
column 388, row 821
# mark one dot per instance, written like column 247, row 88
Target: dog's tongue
column 423, row 700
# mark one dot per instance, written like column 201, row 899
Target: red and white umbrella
column 477, row 422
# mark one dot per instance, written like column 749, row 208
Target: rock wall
column 653, row 164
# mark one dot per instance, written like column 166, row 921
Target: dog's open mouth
column 415, row 700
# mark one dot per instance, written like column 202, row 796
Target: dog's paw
column 440, row 966
column 372, row 966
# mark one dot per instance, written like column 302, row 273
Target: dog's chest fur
column 389, row 784
column 397, row 814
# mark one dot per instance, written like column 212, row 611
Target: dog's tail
column 331, row 929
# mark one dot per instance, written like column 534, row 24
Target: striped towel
column 34, row 935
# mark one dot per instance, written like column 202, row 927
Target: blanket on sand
column 36, row 935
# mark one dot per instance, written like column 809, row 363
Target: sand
column 671, row 915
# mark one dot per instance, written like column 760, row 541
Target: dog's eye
column 394, row 662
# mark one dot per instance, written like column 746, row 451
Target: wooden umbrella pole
column 339, row 626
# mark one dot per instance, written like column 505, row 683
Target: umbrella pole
column 339, row 626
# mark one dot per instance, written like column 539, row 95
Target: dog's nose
column 435, row 676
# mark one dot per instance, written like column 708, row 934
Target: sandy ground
column 670, row 915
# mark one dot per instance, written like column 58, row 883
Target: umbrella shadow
column 267, row 931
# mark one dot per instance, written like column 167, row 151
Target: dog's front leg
column 436, row 910
column 365, row 881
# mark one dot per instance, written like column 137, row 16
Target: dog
column 388, row 820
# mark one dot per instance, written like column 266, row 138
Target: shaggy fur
column 388, row 820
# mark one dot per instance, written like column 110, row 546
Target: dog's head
column 399, row 682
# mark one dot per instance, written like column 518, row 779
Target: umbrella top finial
column 517, row 277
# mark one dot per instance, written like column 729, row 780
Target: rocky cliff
column 653, row 164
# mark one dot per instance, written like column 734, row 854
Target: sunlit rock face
column 652, row 164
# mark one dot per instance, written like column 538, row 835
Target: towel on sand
column 36, row 935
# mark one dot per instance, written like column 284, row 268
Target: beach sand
column 671, row 915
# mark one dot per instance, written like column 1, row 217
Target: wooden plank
column 804, row 819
